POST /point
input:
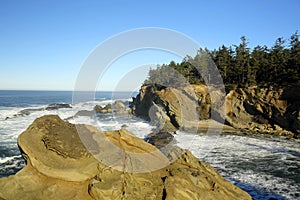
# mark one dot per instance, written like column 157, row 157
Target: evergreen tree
column 260, row 65
column 241, row 66
column 278, row 61
column 242, row 62
column 223, row 58
column 294, row 59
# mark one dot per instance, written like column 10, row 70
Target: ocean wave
column 242, row 160
column 265, row 167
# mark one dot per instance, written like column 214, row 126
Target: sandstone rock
column 98, row 108
column 247, row 109
column 30, row 184
column 178, row 106
column 180, row 180
column 252, row 107
column 106, row 109
column 60, row 167
column 54, row 148
column 160, row 119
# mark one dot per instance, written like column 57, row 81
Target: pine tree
column 242, row 62
column 260, row 65
column 294, row 59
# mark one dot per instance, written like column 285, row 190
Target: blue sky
column 44, row 43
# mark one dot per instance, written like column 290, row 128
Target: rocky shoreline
column 60, row 167
column 249, row 110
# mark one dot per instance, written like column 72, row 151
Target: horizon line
column 55, row 90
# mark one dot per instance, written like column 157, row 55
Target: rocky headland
column 197, row 108
column 59, row 166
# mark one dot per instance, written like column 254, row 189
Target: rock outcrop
column 184, row 108
column 256, row 110
column 265, row 110
column 59, row 166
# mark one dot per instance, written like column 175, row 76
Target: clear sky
column 44, row 43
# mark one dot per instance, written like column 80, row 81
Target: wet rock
column 98, row 108
column 160, row 139
column 24, row 112
column 117, row 107
column 56, row 106
column 106, row 109
column 85, row 113
column 124, row 126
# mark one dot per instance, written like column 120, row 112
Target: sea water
column 265, row 167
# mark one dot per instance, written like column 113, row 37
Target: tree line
column 237, row 65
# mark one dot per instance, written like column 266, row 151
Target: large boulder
column 59, row 166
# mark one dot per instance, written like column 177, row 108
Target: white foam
column 137, row 126
column 6, row 159
column 259, row 165
column 12, row 127
column 140, row 128
column 227, row 153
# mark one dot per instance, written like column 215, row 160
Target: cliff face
column 266, row 110
column 177, row 108
column 60, row 167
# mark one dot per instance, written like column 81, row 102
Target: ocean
column 266, row 167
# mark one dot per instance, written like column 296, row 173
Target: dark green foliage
column 238, row 65
column 229, row 87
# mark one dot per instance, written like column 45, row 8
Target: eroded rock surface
column 273, row 111
column 59, row 166
column 266, row 110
